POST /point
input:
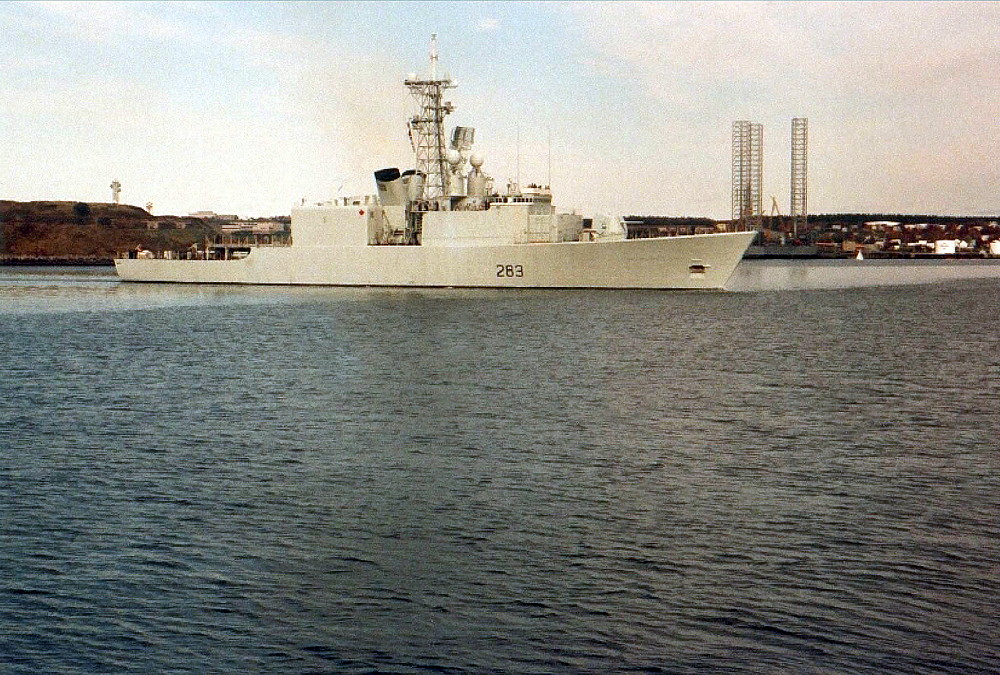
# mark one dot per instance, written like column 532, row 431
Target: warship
column 444, row 223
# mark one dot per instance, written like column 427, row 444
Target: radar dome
column 476, row 160
column 453, row 156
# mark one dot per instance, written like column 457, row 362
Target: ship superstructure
column 443, row 223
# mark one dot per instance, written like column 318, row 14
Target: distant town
column 845, row 234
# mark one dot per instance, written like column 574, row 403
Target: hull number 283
column 510, row 271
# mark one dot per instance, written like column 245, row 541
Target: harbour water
column 800, row 475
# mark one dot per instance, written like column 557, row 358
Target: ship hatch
column 698, row 267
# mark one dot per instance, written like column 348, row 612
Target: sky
column 626, row 108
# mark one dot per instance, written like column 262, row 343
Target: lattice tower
column 800, row 182
column 748, row 171
column 741, row 169
column 757, row 174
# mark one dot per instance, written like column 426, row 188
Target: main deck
column 684, row 262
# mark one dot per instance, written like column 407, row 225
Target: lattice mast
column 799, row 204
column 748, row 173
column 426, row 127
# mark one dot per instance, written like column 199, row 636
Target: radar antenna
column 426, row 127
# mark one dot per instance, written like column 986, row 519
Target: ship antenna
column 517, row 165
column 549, row 178
column 434, row 55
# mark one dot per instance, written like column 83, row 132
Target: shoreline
column 815, row 253
column 55, row 261
column 97, row 261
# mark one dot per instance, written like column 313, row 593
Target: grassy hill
column 99, row 231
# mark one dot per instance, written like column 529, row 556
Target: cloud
column 322, row 114
column 882, row 83
column 360, row 112
column 180, row 159
column 640, row 100
column 101, row 22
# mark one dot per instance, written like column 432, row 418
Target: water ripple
column 344, row 480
